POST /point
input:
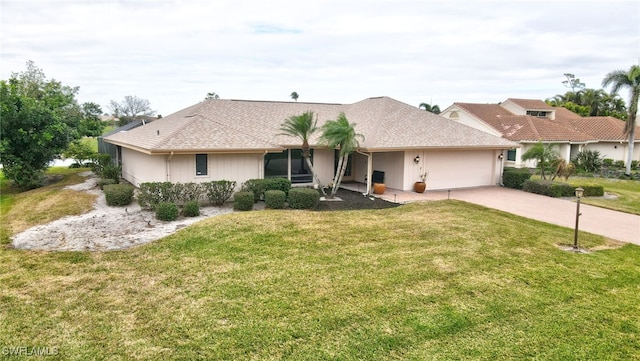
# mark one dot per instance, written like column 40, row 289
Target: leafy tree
column 303, row 126
column 587, row 101
column 130, row 109
column 435, row 109
column 621, row 79
column 212, row 95
column 545, row 156
column 40, row 117
column 572, row 82
column 80, row 151
column 340, row 134
column 91, row 125
column 294, row 96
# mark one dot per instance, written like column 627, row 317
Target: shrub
column 618, row 164
column 588, row 161
column 303, row 198
column 255, row 186
column 593, row 191
column 515, row 177
column 167, row 211
column 635, row 164
column 557, row 190
column 191, row 209
column 537, row 187
column 274, row 199
column 118, row 194
column 243, row 201
column 104, row 182
column 607, row 162
column 186, row 192
column 103, row 166
column 152, row 193
column 281, row 184
column 219, row 192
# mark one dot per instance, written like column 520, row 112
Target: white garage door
column 459, row 169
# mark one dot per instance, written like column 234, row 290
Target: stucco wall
column 392, row 164
column 614, row 150
column 466, row 119
column 232, row 167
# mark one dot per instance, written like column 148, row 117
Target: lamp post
column 579, row 192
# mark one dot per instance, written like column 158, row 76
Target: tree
column 340, row 134
column 435, row 109
column 212, row 95
column 80, row 151
column 294, row 96
column 303, row 126
column 572, row 82
column 621, row 79
column 545, row 156
column 91, row 125
column 130, row 109
column 40, row 118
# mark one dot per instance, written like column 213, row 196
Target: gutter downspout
column 261, row 165
column 369, row 170
column 168, row 167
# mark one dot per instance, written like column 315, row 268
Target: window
column 201, row 164
column 511, row 155
column 288, row 164
column 537, row 113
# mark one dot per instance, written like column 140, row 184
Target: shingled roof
column 219, row 125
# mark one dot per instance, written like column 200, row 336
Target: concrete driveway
column 615, row 225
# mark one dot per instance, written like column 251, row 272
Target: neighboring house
column 529, row 121
column 239, row 140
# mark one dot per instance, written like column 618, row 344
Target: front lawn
column 426, row 281
column 626, row 192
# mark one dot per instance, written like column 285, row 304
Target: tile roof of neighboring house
column 220, row 125
column 531, row 104
column 521, row 127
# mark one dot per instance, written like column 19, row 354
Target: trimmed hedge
column 274, row 199
column 560, row 189
column 103, row 182
column 191, row 209
column 243, row 201
column 255, row 186
column 281, row 184
column 167, row 211
column 303, row 198
column 118, row 194
column 515, row 177
column 152, row 193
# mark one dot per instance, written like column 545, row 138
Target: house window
column 537, row 113
column 288, row 164
column 511, row 155
column 201, row 164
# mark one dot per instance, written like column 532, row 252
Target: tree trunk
column 630, row 151
column 315, row 176
column 336, row 177
column 342, row 169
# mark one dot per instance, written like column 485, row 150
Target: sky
column 173, row 53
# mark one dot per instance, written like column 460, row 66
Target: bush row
column 559, row 189
column 298, row 198
column 515, row 177
column 153, row 193
column 259, row 186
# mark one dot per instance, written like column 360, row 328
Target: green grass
column 427, row 281
column 627, row 192
column 21, row 210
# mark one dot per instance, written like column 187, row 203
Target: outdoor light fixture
column 416, row 160
column 501, row 156
column 579, row 193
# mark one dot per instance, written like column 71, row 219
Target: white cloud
column 174, row 52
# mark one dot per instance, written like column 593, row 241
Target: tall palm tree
column 340, row 134
column 303, row 126
column 619, row 79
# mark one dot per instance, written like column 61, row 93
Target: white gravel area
column 105, row 228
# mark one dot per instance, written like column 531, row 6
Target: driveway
column 615, row 225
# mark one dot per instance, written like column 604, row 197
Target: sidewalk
column 612, row 224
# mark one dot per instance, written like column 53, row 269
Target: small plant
column 515, row 177
column 243, row 201
column 607, row 162
column 103, row 182
column 277, row 183
column 167, row 211
column 618, row 164
column 588, row 161
column 118, row 194
column 423, row 175
column 256, row 186
column 303, row 198
column 274, row 199
column 191, row 209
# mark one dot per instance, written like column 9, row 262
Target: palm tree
column 294, row 96
column 340, row 134
column 435, row 109
column 545, row 156
column 619, row 79
column 303, row 126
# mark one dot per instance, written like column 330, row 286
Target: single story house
column 529, row 121
column 239, row 140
